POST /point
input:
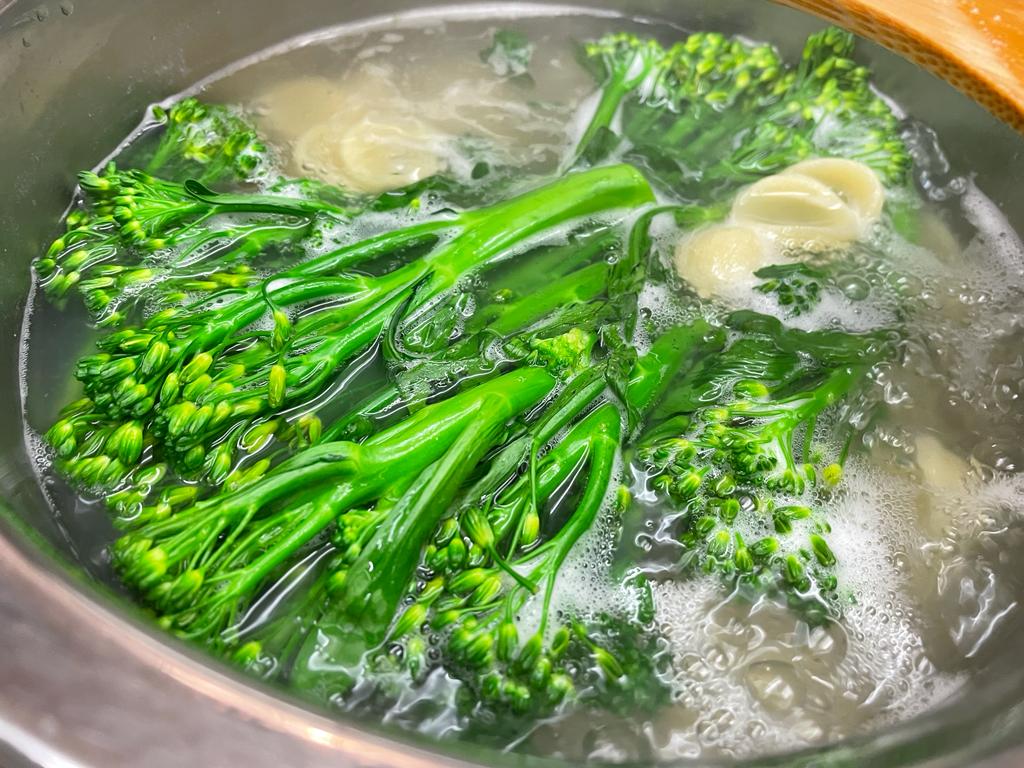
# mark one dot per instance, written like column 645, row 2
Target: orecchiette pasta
column 287, row 109
column 359, row 133
column 941, row 469
column 857, row 185
column 717, row 260
column 372, row 152
column 813, row 205
column 798, row 211
column 378, row 129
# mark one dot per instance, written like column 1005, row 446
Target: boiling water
column 929, row 524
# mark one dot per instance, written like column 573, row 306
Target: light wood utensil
column 977, row 45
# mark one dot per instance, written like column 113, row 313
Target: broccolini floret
column 713, row 113
column 740, row 453
column 206, row 142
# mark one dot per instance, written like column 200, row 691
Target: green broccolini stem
column 358, row 473
column 377, row 579
column 195, row 422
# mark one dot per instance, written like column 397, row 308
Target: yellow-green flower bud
column 687, row 485
column 412, row 617
column 248, row 654
column 445, row 618
column 257, row 436
column 276, row 385
column 459, row 641
column 251, row 406
column 479, row 651
column 155, row 358
column 794, row 572
column 199, row 420
column 744, row 560
column 623, row 499
column 559, row 688
column 221, row 412
column 832, row 475
column 530, row 653
column 194, row 458
column 607, row 663
column 478, row 528
column 60, row 432
column 530, row 528
column 178, row 417
column 220, row 463
column 508, row 641
column 126, row 443
column 282, row 329
column 180, row 495
column 118, row 369
column 541, row 674
column 491, row 686
column 728, row 510
column 446, row 531
column 560, row 643
column 431, row 590
column 169, row 390
column 199, row 364
column 456, row 553
column 467, row 581
column 718, row 544
column 822, row 551
column 486, row 592
column 312, row 426
column 198, row 387
column 336, row 582
column 725, row 485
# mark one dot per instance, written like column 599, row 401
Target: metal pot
column 84, row 679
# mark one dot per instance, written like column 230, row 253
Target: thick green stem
column 404, row 450
column 601, row 448
column 611, row 99
column 378, row 578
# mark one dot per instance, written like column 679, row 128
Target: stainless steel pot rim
column 271, row 718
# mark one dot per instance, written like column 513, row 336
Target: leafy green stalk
column 199, row 566
column 490, row 557
column 713, row 113
column 191, row 380
column 738, row 451
column 207, row 142
column 137, row 230
column 622, row 63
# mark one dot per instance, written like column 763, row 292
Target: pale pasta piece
column 797, row 211
column 944, row 476
column 941, row 469
column 937, row 237
column 372, row 152
column 287, row 109
column 721, row 260
column 813, row 205
column 358, row 133
column 854, row 182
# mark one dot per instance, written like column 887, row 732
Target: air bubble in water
column 934, row 173
column 854, row 287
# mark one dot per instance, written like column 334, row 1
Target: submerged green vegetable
column 200, row 381
column 346, row 459
column 737, row 452
column 712, row 113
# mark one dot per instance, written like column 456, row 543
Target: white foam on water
column 754, row 677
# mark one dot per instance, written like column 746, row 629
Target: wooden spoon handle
column 977, row 45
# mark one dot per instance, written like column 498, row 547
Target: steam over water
column 929, row 521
